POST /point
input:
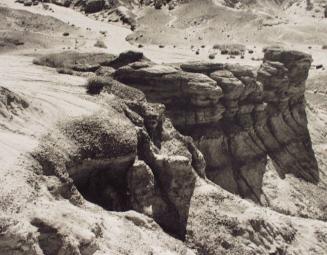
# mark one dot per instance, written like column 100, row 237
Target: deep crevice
column 105, row 187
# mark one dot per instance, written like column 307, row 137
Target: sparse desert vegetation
column 100, row 44
column 96, row 84
column 212, row 56
column 171, row 127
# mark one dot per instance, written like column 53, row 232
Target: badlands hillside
column 163, row 127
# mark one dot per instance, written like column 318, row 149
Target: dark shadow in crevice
column 105, row 186
column 49, row 239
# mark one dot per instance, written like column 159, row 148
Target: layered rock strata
column 127, row 156
column 237, row 115
column 136, row 160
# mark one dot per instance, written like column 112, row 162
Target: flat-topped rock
column 194, row 88
column 192, row 98
column 202, row 67
column 125, row 58
column 285, row 56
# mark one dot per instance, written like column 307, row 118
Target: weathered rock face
column 284, row 87
column 190, row 98
column 128, row 156
column 238, row 116
column 137, row 161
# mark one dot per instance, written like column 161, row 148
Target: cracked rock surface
column 174, row 160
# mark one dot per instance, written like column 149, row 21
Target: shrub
column 157, row 4
column 235, row 52
column 96, row 84
column 232, row 49
column 212, row 56
column 309, row 6
column 100, row 44
column 171, row 6
column 62, row 70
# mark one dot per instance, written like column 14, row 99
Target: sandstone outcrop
column 137, row 161
column 129, row 156
column 238, row 116
column 190, row 99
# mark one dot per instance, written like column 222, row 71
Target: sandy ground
column 51, row 97
column 116, row 38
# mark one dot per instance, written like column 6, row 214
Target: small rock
column 212, row 56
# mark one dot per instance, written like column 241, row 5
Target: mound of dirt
column 81, row 62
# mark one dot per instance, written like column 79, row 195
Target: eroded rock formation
column 237, row 115
column 129, row 157
column 138, row 161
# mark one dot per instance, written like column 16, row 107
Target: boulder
column 125, row 58
column 28, row 2
column 65, row 3
column 92, row 6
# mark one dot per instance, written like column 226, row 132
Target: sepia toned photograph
column 163, row 127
